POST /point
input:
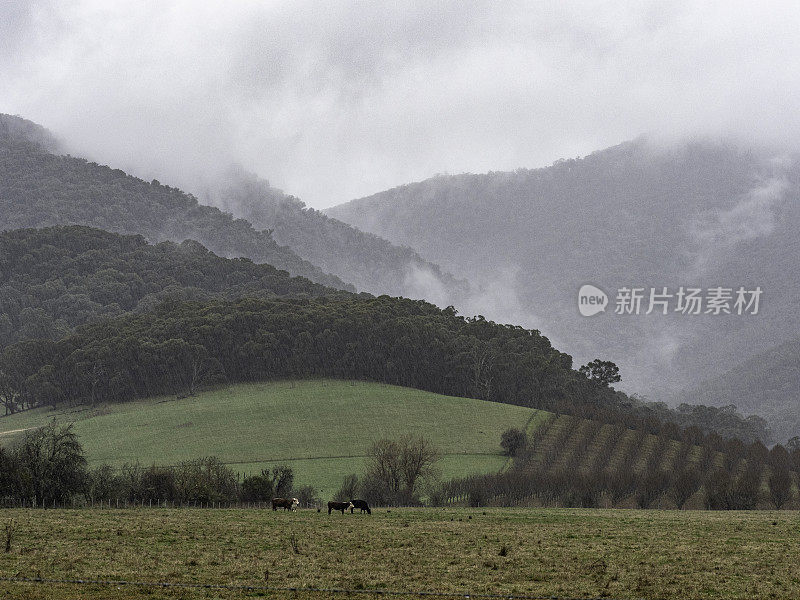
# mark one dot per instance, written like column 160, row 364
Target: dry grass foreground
column 541, row 552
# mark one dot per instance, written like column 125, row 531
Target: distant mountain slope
column 15, row 127
column 40, row 189
column 55, row 279
column 635, row 215
column 364, row 259
column 768, row 383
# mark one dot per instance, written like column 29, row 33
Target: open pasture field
column 322, row 428
column 548, row 552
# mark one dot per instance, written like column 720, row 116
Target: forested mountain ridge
column 15, row 127
column 700, row 214
column 371, row 263
column 55, row 279
column 40, row 189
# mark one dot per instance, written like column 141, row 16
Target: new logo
column 591, row 300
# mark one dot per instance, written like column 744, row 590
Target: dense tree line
column 54, row 279
column 181, row 345
column 48, row 466
column 40, row 189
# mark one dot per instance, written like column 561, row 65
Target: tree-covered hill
column 369, row 262
column 40, row 189
column 697, row 215
column 62, row 278
column 180, row 346
column 55, row 279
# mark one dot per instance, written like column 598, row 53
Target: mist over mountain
column 338, row 100
column 41, row 189
column 641, row 214
column 369, row 262
column 768, row 383
column 14, row 127
column 267, row 225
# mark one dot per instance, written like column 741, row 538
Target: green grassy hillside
column 321, row 427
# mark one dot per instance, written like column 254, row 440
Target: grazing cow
column 285, row 503
column 362, row 504
column 342, row 506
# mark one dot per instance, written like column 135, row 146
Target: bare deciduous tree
column 685, row 485
column 417, row 459
column 780, row 486
column 349, row 489
column 398, row 466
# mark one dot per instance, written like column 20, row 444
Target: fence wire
column 274, row 589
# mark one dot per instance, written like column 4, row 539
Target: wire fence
column 275, row 589
column 126, row 504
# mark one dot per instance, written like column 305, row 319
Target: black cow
column 362, row 504
column 342, row 506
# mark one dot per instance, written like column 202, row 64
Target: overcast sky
column 333, row 101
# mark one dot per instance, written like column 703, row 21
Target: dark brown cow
column 342, row 506
column 285, row 503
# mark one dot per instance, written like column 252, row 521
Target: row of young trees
column 570, row 462
column 718, row 490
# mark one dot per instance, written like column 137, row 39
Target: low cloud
column 421, row 283
column 336, row 100
column 496, row 298
column 719, row 232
